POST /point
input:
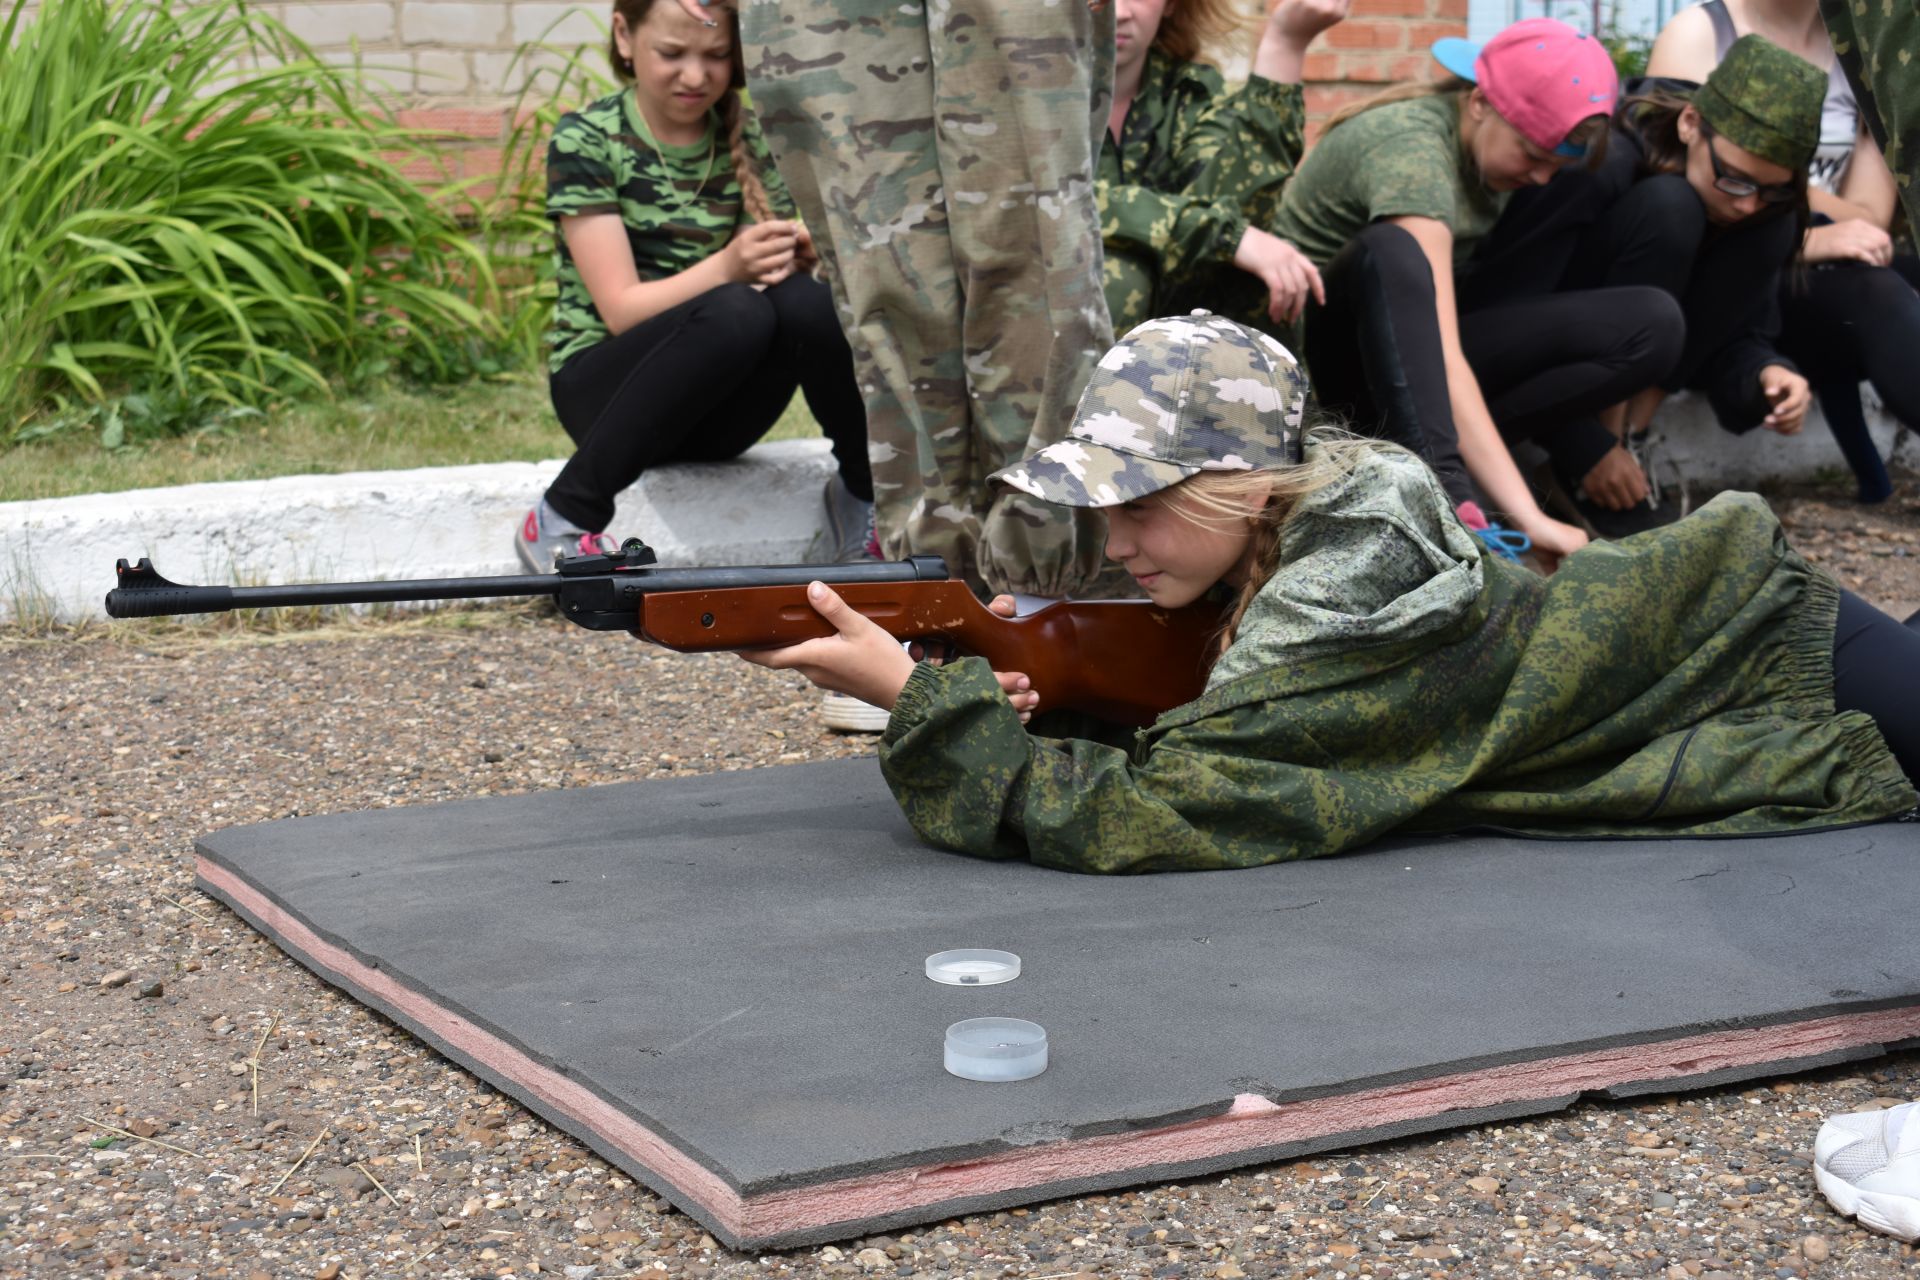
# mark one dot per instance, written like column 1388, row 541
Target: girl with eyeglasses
column 1713, row 218
column 1852, row 313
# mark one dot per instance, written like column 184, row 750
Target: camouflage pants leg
column 1878, row 46
column 943, row 153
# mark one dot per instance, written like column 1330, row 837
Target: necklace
column 680, row 198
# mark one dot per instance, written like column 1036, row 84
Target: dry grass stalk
column 302, row 1160
column 376, row 1182
column 189, row 910
column 99, row 1124
column 253, row 1061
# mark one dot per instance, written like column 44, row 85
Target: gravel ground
column 163, row 1070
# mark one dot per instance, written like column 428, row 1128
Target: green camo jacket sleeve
column 1229, row 158
column 969, row 778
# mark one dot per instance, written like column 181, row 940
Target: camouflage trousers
column 943, row 154
column 1878, row 45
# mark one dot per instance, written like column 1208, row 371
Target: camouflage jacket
column 1877, row 46
column 1678, row 683
column 680, row 203
column 1196, row 164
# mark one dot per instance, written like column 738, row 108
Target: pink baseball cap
column 1541, row 75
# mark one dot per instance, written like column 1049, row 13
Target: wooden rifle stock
column 1125, row 661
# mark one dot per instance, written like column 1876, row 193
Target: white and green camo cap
column 1174, row 398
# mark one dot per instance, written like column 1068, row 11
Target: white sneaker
column 1868, row 1166
column 850, row 715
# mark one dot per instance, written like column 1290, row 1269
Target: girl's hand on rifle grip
column 859, row 659
column 1015, row 685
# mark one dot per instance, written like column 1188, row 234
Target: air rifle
column 1124, row 661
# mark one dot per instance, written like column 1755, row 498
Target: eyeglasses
column 1778, row 193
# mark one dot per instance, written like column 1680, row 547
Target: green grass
column 392, row 428
column 186, row 228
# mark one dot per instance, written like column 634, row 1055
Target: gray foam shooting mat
column 717, row 982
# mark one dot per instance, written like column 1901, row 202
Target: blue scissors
column 1508, row 544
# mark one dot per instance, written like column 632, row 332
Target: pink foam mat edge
column 1249, row 1128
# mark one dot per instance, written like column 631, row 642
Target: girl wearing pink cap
column 1402, row 188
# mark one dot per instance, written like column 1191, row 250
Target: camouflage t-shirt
column 1403, row 159
column 680, row 203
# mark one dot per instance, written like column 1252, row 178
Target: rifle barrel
column 158, row 599
column 143, row 593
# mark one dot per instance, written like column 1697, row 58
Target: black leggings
column 701, row 383
column 1658, row 235
column 1546, row 364
column 1876, row 669
column 1844, row 322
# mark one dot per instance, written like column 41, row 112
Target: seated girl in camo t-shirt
column 686, row 317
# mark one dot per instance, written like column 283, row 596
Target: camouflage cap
column 1174, row 398
column 1766, row 100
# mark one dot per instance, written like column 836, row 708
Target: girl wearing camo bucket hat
column 1851, row 312
column 1378, row 671
column 1713, row 220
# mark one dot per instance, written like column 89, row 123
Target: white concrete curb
column 56, row 556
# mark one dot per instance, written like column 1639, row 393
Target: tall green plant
column 194, row 204
column 511, row 212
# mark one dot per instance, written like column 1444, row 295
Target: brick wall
column 449, row 64
column 1383, row 43
column 452, row 61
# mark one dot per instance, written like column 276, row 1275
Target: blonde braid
column 753, row 193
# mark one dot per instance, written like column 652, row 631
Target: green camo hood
column 1376, row 558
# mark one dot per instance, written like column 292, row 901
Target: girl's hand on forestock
column 1290, row 276
column 859, row 659
column 761, row 253
column 1299, row 21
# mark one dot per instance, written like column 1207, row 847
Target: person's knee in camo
column 1874, row 45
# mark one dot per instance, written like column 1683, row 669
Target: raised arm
column 1290, row 27
column 1481, row 447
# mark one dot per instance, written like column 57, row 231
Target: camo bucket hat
column 1174, row 398
column 1766, row 100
